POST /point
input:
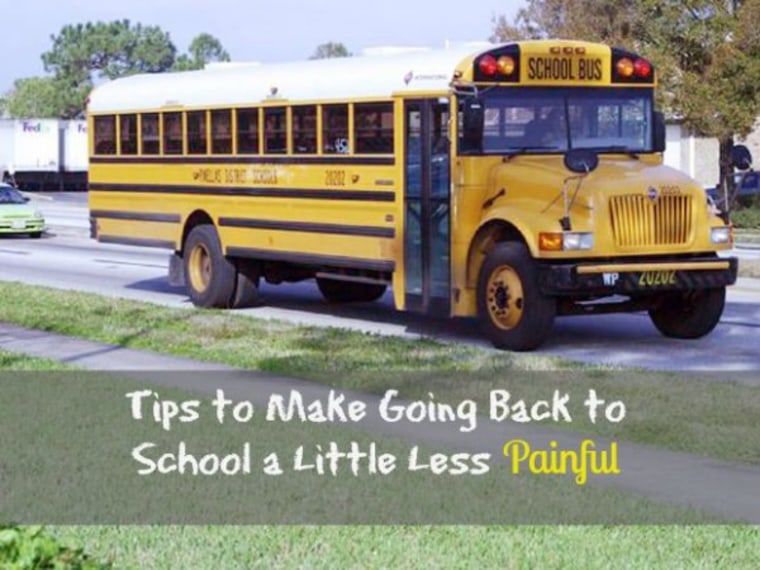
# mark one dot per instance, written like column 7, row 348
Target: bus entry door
column 427, row 206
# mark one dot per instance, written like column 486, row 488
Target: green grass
column 747, row 217
column 398, row 547
column 21, row 362
column 672, row 411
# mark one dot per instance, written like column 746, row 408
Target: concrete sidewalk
column 718, row 487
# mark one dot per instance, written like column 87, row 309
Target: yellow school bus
column 514, row 183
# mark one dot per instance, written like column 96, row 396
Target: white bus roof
column 325, row 79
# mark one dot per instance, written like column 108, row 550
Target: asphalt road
column 67, row 258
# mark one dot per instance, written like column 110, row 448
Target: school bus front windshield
column 552, row 120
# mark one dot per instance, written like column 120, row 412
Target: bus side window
column 149, row 134
column 248, row 131
column 335, row 129
column 305, row 129
column 172, row 133
column 128, row 134
column 105, row 135
column 275, row 131
column 196, row 132
column 373, row 128
column 221, row 132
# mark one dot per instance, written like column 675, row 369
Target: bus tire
column 513, row 312
column 336, row 291
column 688, row 314
column 209, row 276
column 246, row 285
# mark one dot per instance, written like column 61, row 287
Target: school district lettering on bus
column 516, row 184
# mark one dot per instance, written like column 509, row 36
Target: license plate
column 18, row 224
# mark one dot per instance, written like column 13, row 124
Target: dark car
column 748, row 184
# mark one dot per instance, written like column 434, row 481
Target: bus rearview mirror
column 473, row 118
column 659, row 132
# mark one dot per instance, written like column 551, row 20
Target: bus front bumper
column 640, row 277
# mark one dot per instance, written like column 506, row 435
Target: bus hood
column 631, row 205
column 543, row 178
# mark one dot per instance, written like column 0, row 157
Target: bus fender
column 494, row 229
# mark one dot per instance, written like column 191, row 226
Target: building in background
column 697, row 156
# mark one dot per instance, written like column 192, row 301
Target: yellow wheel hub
column 200, row 268
column 505, row 297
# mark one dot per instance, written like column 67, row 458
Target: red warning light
column 487, row 65
column 642, row 68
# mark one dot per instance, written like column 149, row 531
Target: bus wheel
column 209, row 275
column 513, row 312
column 246, row 284
column 688, row 314
column 336, row 291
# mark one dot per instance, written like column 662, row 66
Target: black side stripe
column 143, row 242
column 370, row 231
column 136, row 216
column 305, row 193
column 312, row 259
column 269, row 159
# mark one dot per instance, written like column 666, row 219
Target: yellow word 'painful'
column 580, row 462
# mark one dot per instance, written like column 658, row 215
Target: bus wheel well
column 197, row 218
column 495, row 231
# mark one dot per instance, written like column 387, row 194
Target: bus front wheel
column 513, row 312
column 209, row 275
column 688, row 314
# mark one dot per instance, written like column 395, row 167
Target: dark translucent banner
column 486, row 448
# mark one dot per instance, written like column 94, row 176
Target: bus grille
column 639, row 221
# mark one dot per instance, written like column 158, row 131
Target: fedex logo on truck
column 34, row 127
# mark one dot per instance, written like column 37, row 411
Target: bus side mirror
column 741, row 158
column 659, row 132
column 473, row 119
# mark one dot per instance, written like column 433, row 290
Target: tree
column 84, row 53
column 203, row 49
column 108, row 50
column 40, row 97
column 611, row 21
column 707, row 53
column 329, row 50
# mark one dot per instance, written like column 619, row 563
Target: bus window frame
column 273, row 111
column 255, row 112
column 98, row 122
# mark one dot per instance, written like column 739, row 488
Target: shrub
column 31, row 548
column 747, row 218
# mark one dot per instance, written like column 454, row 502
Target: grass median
column 671, row 411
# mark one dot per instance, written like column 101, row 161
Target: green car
column 16, row 216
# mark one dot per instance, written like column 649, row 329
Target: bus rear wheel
column 688, row 314
column 513, row 312
column 209, row 275
column 336, row 291
column 246, row 284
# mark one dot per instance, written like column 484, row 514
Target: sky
column 280, row 30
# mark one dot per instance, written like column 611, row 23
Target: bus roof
column 371, row 76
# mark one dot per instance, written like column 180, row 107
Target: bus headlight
column 720, row 235
column 577, row 241
column 565, row 241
